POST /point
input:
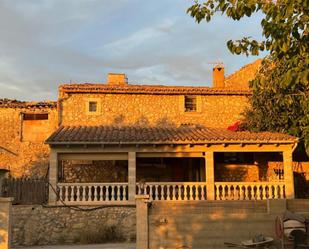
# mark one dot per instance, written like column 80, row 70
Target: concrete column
column 53, row 177
column 132, row 175
column 210, row 175
column 5, row 222
column 142, row 221
column 288, row 174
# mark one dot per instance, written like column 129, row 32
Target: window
column 31, row 116
column 190, row 104
column 92, row 106
column 35, row 127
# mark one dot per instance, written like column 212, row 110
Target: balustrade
column 100, row 193
column 249, row 190
column 75, row 193
column 174, row 191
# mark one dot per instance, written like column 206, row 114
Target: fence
column 25, row 191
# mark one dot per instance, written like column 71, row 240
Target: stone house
column 24, row 127
column 108, row 142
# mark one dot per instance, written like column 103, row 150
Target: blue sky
column 44, row 43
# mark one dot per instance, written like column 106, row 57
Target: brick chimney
column 218, row 75
column 117, row 79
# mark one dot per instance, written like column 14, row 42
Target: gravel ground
column 97, row 246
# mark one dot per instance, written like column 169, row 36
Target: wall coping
column 6, row 199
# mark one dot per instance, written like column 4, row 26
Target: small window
column 92, row 106
column 31, row 116
column 190, row 104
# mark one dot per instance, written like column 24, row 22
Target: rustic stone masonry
column 22, row 148
column 240, row 79
column 37, row 225
column 152, row 110
column 94, row 171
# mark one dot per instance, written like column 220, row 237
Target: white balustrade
column 92, row 193
column 249, row 190
column 173, row 191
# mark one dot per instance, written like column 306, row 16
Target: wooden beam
column 177, row 148
column 93, row 156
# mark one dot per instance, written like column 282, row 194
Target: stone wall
column 22, row 148
column 241, row 78
column 154, row 110
column 5, row 222
column 209, row 224
column 94, row 171
column 37, row 225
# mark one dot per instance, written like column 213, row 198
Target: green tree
column 280, row 99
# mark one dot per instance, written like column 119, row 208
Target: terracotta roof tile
column 148, row 89
column 160, row 135
column 12, row 103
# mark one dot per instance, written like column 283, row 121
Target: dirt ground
column 97, row 246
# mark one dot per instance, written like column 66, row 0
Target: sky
column 45, row 43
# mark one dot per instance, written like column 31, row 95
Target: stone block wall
column 22, row 148
column 37, row 225
column 94, row 171
column 153, row 110
column 209, row 224
column 236, row 173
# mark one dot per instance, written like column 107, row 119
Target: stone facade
column 153, row 110
column 37, row 225
column 22, row 148
column 94, row 171
column 240, row 79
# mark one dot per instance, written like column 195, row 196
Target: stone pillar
column 53, row 177
column 5, row 222
column 132, row 175
column 210, row 175
column 288, row 174
column 142, row 221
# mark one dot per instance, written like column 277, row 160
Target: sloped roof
column 160, row 135
column 149, row 89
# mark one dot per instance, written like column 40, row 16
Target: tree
column 280, row 99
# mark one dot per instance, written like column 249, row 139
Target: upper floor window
column 190, row 104
column 93, row 105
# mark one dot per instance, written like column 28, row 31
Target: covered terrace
column 91, row 165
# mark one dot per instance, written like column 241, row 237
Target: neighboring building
column 24, row 126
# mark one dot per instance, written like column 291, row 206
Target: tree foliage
column 280, row 99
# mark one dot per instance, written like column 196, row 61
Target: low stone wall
column 37, row 225
column 209, row 224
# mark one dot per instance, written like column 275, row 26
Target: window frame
column 98, row 106
column 193, row 100
column 92, row 106
column 35, row 116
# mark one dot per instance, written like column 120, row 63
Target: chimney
column 218, row 75
column 117, row 79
